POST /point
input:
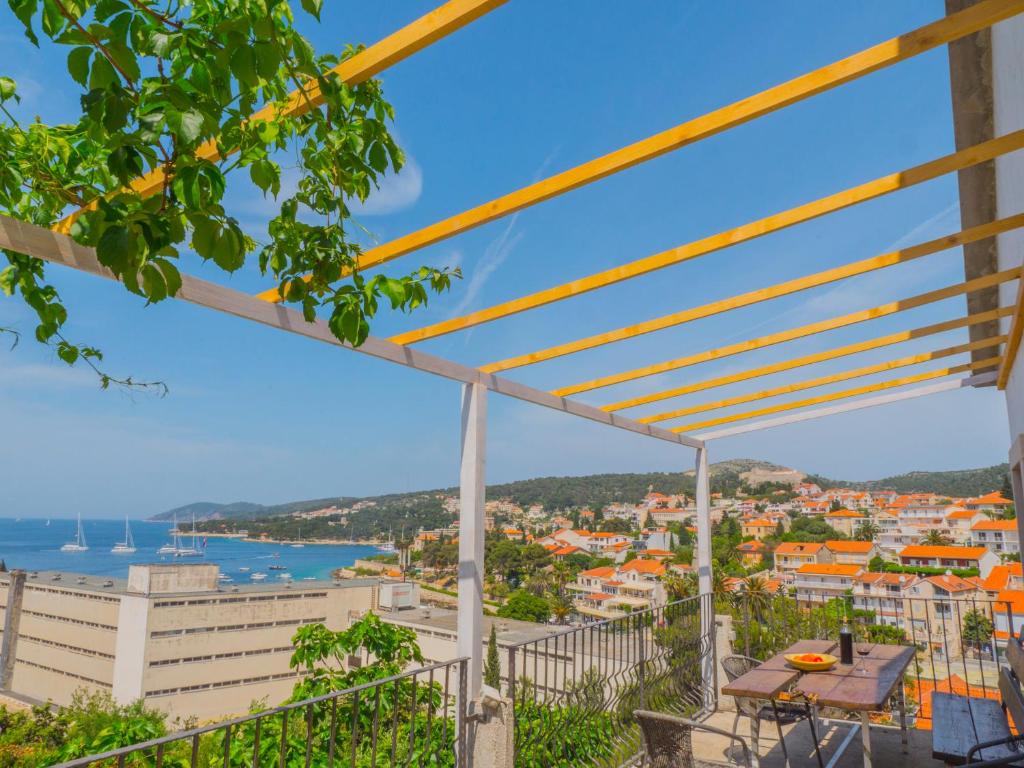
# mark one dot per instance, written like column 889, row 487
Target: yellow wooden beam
column 817, row 357
column 892, row 51
column 1013, row 345
column 821, row 381
column 841, row 395
column 765, row 294
column 730, row 237
column 800, row 332
column 427, row 29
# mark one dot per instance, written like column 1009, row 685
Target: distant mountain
column 598, row 490
column 957, row 482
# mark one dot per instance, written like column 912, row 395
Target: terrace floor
column 885, row 743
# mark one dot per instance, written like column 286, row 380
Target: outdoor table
column 864, row 686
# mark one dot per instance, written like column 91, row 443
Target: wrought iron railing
column 960, row 642
column 409, row 719
column 574, row 692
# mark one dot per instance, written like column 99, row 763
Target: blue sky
column 531, row 89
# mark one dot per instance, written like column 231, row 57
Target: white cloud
column 397, row 192
column 35, row 375
column 499, row 249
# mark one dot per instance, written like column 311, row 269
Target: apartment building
column 607, row 592
column 847, row 552
column 933, row 611
column 820, row 582
column 846, row 521
column 758, row 529
column 950, row 557
column 882, row 595
column 751, row 553
column 170, row 634
column 990, row 502
column 959, row 523
column 998, row 536
column 790, row 555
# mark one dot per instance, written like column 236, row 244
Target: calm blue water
column 33, row 545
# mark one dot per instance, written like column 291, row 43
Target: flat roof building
column 171, row 634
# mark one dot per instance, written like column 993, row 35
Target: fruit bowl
column 812, row 662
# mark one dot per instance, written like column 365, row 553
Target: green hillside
column 957, row 482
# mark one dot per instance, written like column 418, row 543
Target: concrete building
column 790, row 555
column 999, row 536
column 846, row 521
column 818, row 583
column 171, row 634
column 950, row 557
column 853, row 552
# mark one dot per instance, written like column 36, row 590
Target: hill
column 424, row 508
column 957, row 482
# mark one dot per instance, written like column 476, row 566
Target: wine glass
column 863, row 649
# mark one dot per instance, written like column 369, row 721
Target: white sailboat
column 190, row 551
column 388, row 547
column 78, row 545
column 126, row 547
column 170, row 549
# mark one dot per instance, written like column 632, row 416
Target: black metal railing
column 574, row 692
column 960, row 642
column 410, row 719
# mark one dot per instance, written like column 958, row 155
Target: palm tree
column 680, row 586
column 561, row 608
column 936, row 538
column 867, row 531
column 756, row 594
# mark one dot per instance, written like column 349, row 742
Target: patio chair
column 669, row 744
column 757, row 710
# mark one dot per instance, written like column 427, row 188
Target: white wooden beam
column 982, row 379
column 54, row 247
column 469, row 640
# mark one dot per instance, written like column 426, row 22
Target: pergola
column 995, row 330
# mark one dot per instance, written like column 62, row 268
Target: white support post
column 469, row 641
column 707, row 603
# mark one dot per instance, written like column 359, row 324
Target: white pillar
column 707, row 602
column 469, row 642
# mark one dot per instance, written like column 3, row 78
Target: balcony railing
column 409, row 719
column 574, row 693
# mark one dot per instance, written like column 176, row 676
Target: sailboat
column 388, row 547
column 126, row 547
column 78, row 545
column 190, row 551
column 298, row 544
column 170, row 549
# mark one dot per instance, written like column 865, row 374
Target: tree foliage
column 170, row 87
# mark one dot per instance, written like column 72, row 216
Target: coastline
column 286, row 542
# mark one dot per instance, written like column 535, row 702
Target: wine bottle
column 845, row 644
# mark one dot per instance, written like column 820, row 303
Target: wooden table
column 864, row 686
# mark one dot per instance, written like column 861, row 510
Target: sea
column 33, row 544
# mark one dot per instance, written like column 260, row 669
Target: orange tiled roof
column 760, row 523
column 751, row 546
column 951, row 583
column 658, row 553
column 849, row 547
column 990, row 498
column 998, row 578
column 873, row 577
column 798, row 548
column 652, row 567
column 1013, row 597
column 949, row 553
column 995, row 525
column 843, row 513
column 566, row 551
column 962, row 514
column 604, row 535
column 830, row 569
column 601, row 573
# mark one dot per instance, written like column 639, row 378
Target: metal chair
column 755, row 709
column 669, row 744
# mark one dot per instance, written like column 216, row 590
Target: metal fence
column 960, row 642
column 409, row 719
column 574, row 693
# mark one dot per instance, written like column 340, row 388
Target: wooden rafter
column 821, row 381
column 763, row 294
column 844, row 394
column 427, row 29
column 799, row 332
column 817, row 357
column 717, row 242
column 1013, row 344
column 892, row 51
column 977, row 380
